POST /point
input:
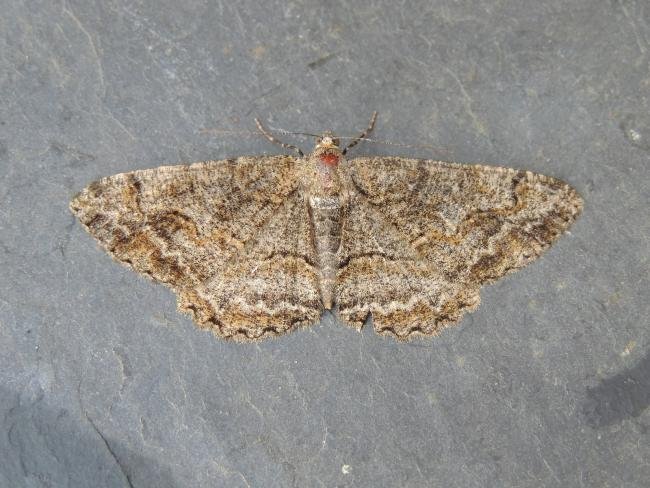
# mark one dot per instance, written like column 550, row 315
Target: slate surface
column 104, row 384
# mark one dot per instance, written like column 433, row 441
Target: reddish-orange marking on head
column 330, row 159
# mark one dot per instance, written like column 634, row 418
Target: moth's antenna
column 255, row 133
column 291, row 133
column 264, row 132
column 233, row 132
column 268, row 135
column 361, row 136
column 354, row 139
column 391, row 143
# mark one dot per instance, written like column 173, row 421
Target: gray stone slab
column 103, row 383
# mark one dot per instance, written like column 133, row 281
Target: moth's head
column 327, row 149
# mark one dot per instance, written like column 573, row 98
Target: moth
column 257, row 246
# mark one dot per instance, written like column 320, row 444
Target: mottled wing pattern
column 450, row 228
column 195, row 228
column 270, row 287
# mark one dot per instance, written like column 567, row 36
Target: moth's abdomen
column 326, row 221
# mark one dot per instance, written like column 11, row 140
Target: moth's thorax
column 322, row 172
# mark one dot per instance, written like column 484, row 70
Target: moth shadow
column 414, row 341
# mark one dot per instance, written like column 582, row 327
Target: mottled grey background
column 104, row 384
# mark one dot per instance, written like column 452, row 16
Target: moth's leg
column 268, row 135
column 368, row 130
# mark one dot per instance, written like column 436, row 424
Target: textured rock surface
column 103, row 383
